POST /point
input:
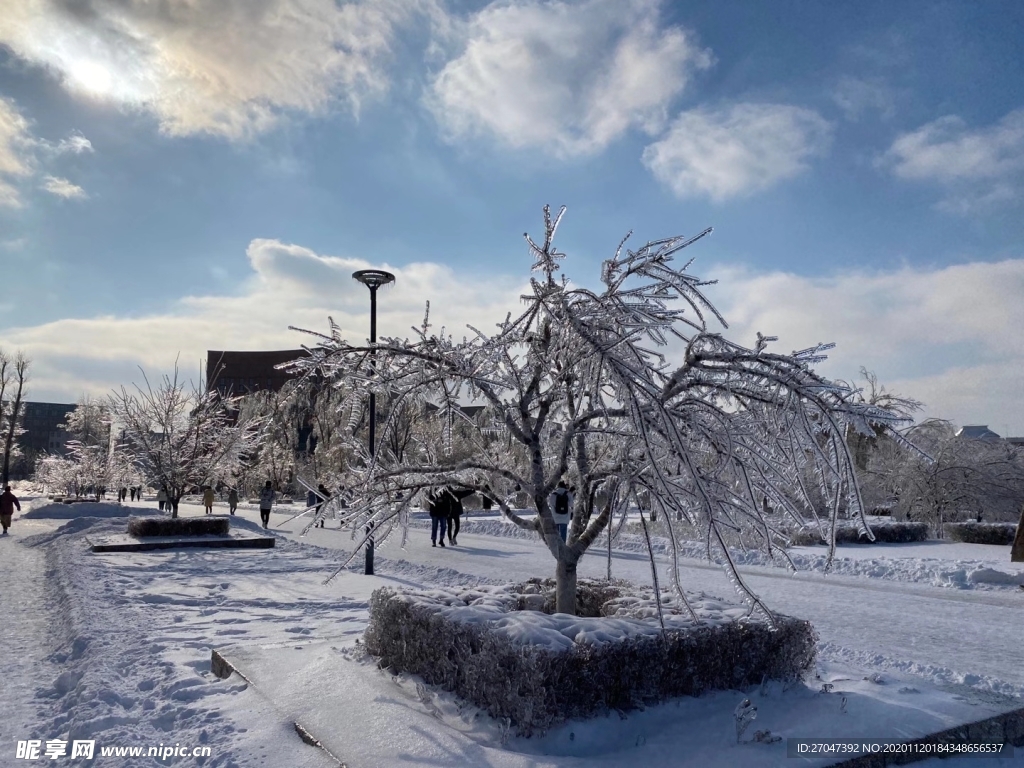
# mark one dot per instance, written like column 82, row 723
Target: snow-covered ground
column 116, row 647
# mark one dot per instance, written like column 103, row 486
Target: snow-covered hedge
column 539, row 669
column 981, row 533
column 887, row 532
column 178, row 526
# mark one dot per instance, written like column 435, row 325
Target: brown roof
column 241, row 371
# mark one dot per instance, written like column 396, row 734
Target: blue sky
column 183, row 176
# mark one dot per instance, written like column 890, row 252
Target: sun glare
column 92, row 77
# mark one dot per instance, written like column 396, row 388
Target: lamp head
column 373, row 278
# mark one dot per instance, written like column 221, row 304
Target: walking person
column 455, row 511
column 161, row 498
column 8, row 502
column 132, row 492
column 437, row 505
column 233, row 500
column 323, row 495
column 561, row 508
column 124, row 493
column 208, row 499
column 267, row 497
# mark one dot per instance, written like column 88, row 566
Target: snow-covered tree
column 274, row 456
column 961, row 478
column 577, row 384
column 180, row 437
column 13, row 382
column 57, row 473
column 88, row 423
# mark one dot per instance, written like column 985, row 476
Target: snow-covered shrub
column 981, row 533
column 888, row 532
column 178, row 526
column 539, row 669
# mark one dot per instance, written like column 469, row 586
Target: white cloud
column 566, row 78
column 20, row 153
column 736, row 150
column 74, row 144
column 978, row 167
column 63, row 188
column 224, row 67
column 15, row 153
column 857, row 96
column 946, row 336
column 289, row 285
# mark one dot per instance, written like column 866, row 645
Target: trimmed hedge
column 885, row 533
column 178, row 526
column 981, row 533
column 486, row 655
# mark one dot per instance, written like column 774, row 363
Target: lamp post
column 372, row 279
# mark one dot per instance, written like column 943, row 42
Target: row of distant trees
column 935, row 475
column 175, row 437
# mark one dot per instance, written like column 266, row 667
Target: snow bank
column 935, row 571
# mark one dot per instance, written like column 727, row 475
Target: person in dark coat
column 8, row 502
column 455, row 511
column 267, row 497
column 437, row 505
column 232, row 500
column 321, row 496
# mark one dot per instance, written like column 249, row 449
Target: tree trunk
column 1017, row 551
column 13, row 424
column 565, row 587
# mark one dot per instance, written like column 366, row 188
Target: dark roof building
column 44, row 433
column 43, row 425
column 241, row 372
column 978, row 432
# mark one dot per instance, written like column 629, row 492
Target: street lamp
column 372, row 279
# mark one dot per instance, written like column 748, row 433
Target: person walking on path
column 233, row 500
column 322, row 495
column 161, row 498
column 437, row 505
column 124, row 493
column 8, row 501
column 455, row 511
column 267, row 497
column 561, row 508
column 131, row 491
column 208, row 499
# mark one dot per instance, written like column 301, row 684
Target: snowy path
column 117, row 646
column 947, row 635
column 28, row 630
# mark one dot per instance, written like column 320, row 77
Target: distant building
column 44, row 427
column 1017, row 442
column 241, row 372
column 44, row 433
column 978, row 432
